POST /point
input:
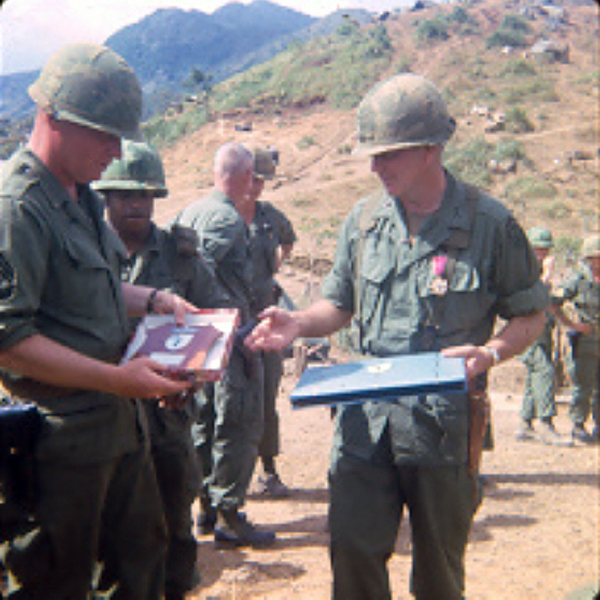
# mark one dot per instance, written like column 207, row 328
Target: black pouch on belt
column 20, row 428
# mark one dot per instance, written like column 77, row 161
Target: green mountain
column 164, row 47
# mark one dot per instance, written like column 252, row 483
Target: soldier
column 424, row 264
column 582, row 292
column 165, row 260
column 539, row 397
column 63, row 329
column 231, row 421
column 272, row 239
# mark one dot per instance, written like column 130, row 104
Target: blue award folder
column 380, row 379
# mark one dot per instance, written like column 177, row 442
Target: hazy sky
column 30, row 30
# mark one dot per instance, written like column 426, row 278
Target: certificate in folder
column 198, row 350
column 380, row 379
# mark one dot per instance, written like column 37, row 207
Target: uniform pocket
column 83, row 289
column 463, row 305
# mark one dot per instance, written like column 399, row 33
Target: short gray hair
column 232, row 159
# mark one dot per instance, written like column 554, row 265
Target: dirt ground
column 535, row 536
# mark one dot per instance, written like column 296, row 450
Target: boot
column 207, row 517
column 525, row 432
column 271, row 485
column 234, row 529
column 580, row 434
column 549, row 435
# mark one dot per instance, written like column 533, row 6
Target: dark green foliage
column 512, row 31
column 469, row 161
column 517, row 120
column 433, row 29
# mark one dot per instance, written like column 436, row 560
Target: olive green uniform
column 230, row 426
column 98, row 496
column 169, row 260
column 269, row 229
column 584, row 294
column 539, row 396
column 413, row 452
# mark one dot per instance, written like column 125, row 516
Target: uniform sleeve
column 23, row 268
column 217, row 237
column 338, row 285
column 205, row 291
column 285, row 229
column 519, row 288
column 567, row 291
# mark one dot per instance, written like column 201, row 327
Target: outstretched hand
column 276, row 330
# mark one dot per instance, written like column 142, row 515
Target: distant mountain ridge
column 166, row 45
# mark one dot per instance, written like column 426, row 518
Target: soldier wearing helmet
column 63, row 328
column 425, row 264
column 581, row 292
column 540, row 383
column 164, row 260
column 272, row 238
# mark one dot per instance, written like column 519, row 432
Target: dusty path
column 535, row 537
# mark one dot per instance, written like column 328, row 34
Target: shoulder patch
column 7, row 278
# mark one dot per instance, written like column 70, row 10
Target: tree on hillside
column 202, row 85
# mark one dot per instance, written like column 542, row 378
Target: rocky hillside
column 527, row 123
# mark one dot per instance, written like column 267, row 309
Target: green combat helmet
column 264, row 162
column 403, row 112
column 591, row 247
column 90, row 85
column 139, row 168
column 540, row 237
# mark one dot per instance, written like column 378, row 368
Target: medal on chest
column 439, row 284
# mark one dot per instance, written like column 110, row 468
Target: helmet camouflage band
column 591, row 247
column 540, row 237
column 264, row 163
column 90, row 85
column 402, row 112
column 139, row 168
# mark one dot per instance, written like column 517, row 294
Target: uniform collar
column 440, row 226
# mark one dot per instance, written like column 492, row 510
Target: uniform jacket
column 60, row 279
column 167, row 262
column 496, row 275
column 164, row 263
column 584, row 294
column 223, row 243
column 269, row 229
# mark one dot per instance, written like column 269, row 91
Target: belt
column 31, row 389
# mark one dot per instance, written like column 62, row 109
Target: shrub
column 508, row 149
column 469, row 161
column 523, row 188
column 519, row 67
column 433, row 29
column 506, row 38
column 512, row 22
column 517, row 120
column 306, row 142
